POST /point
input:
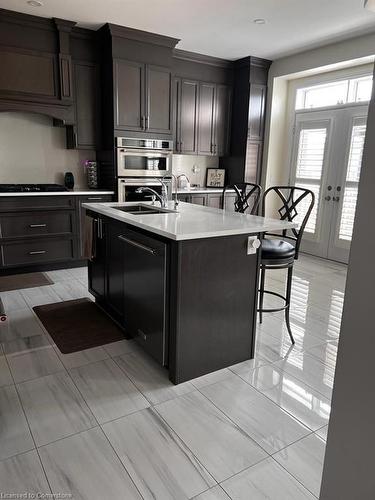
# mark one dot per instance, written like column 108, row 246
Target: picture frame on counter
column 215, row 177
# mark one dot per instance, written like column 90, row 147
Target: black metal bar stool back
column 279, row 251
column 247, row 197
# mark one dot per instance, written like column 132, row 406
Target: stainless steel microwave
column 143, row 157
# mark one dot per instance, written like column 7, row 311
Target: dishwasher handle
column 138, row 245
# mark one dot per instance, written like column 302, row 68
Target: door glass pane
column 347, row 213
column 310, row 155
column 304, row 205
column 353, row 172
column 355, row 155
column 318, row 96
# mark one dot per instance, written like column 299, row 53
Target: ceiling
column 221, row 28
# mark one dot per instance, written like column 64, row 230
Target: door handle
column 143, row 126
column 327, row 198
column 137, row 244
column 336, row 198
column 147, row 122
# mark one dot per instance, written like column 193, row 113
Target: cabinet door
column 257, row 102
column 86, row 104
column 229, row 202
column 223, row 106
column 214, row 200
column 159, row 99
column 206, row 119
column 83, row 220
column 115, row 270
column 199, row 199
column 98, row 264
column 188, row 117
column 145, row 292
column 129, row 102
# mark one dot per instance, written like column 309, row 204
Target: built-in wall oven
column 128, row 186
column 143, row 157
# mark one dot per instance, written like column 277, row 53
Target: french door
column 326, row 158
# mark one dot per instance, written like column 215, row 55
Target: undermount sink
column 143, row 210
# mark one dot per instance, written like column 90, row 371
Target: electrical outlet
column 253, row 243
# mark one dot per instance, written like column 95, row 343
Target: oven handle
column 145, row 152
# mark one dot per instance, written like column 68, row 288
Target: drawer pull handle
column 138, row 245
column 37, row 252
column 37, row 225
column 95, row 198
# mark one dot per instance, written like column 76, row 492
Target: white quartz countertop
column 191, row 221
column 200, row 190
column 84, row 192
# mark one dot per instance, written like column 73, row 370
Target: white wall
column 33, row 151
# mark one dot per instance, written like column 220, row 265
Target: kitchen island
column 183, row 283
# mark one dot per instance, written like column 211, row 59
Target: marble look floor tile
column 79, row 273
column 248, row 366
column 326, row 353
column 12, row 301
column 150, row 378
column 215, row 493
column 31, row 358
column 211, row 378
column 86, row 467
column 15, row 436
column 5, row 375
column 107, row 390
column 23, row 473
column 54, row 408
column 265, row 481
column 68, row 290
column 311, row 371
column 303, row 402
column 40, row 295
column 265, row 422
column 304, row 460
column 121, row 347
column 81, row 358
column 59, row 275
column 158, row 462
column 221, row 447
column 323, row 432
column 21, row 323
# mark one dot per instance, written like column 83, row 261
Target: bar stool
column 276, row 253
column 247, row 199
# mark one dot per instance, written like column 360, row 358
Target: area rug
column 19, row 281
column 79, row 324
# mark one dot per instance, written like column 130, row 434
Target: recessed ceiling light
column 35, row 3
column 259, row 21
column 370, row 5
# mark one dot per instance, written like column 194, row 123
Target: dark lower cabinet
column 97, row 266
column 210, row 199
column 115, row 270
column 145, row 294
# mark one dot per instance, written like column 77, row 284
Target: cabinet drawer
column 36, row 224
column 22, row 203
column 37, row 251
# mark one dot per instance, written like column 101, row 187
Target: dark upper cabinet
column 86, row 105
column 202, row 117
column 143, row 97
column 223, row 108
column 206, row 125
column 257, row 102
column 159, row 99
column 186, row 103
column 129, row 80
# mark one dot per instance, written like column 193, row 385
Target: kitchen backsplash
column 187, row 164
column 33, row 151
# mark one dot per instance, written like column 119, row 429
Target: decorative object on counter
column 183, row 182
column 69, row 180
column 215, row 177
column 91, row 168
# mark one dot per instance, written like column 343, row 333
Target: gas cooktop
column 31, row 188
